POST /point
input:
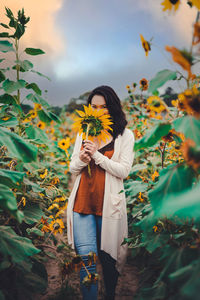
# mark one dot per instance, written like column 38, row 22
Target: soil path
column 126, row 287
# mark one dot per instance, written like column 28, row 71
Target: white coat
column 114, row 214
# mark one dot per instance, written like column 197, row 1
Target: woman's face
column 98, row 102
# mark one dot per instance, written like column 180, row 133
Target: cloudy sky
column 94, row 42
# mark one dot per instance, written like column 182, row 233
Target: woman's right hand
column 85, row 157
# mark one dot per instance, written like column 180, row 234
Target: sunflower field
column 162, row 190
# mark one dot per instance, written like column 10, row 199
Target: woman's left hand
column 90, row 147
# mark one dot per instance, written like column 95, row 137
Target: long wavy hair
column 114, row 107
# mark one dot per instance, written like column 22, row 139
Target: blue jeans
column 87, row 238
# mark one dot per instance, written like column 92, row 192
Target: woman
column 96, row 212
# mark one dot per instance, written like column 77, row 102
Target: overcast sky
column 94, row 42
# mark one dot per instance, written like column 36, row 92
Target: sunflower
column 192, row 101
column 178, row 57
column 156, row 104
column 57, row 226
column 154, row 175
column 64, row 143
column 144, row 84
column 33, row 114
column 191, row 154
column 93, row 123
column 41, row 125
column 37, row 106
column 145, row 44
column 196, row 33
column 195, row 3
column 43, row 174
column 55, row 180
column 171, row 4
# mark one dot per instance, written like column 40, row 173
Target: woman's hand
column 84, row 156
column 90, row 147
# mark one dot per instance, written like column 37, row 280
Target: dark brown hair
column 114, row 107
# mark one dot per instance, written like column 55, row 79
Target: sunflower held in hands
column 93, row 123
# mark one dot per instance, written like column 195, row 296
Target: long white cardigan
column 114, row 214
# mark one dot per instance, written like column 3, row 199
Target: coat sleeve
column 76, row 164
column 122, row 167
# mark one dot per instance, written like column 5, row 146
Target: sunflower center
column 173, row 1
column 195, row 104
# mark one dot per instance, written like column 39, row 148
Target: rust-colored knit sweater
column 90, row 193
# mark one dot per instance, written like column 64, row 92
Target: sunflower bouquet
column 92, row 124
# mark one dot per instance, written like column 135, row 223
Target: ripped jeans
column 87, row 238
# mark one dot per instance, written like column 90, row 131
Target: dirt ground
column 126, row 286
column 125, row 290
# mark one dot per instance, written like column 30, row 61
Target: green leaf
column 12, row 122
column 2, row 59
column 11, row 86
column 10, row 178
column 4, row 34
column 4, row 25
column 7, row 99
column 9, row 203
column 15, row 246
column 17, row 146
column 172, row 180
column 32, row 214
column 36, row 134
column 132, row 187
column 152, row 136
column 189, row 126
column 35, row 231
column 2, row 76
column 34, row 87
column 47, row 117
column 160, row 79
column 35, row 187
column 34, row 51
column 38, row 99
column 40, row 74
column 25, row 65
column 20, row 29
column 184, row 204
column 6, row 46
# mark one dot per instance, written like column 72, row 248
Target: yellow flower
column 59, row 199
column 43, row 174
column 41, row 125
column 94, row 123
column 156, row 104
column 191, row 154
column 57, row 226
column 174, row 103
column 196, row 33
column 155, row 228
column 33, row 114
column 144, row 84
column 37, row 106
column 195, row 3
column 155, row 174
column 145, row 44
column 128, row 87
column 54, row 206
column 55, row 180
column 170, row 4
column 140, row 197
column 64, row 143
column 23, row 199
column 180, row 59
column 5, row 118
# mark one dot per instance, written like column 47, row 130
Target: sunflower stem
column 87, row 133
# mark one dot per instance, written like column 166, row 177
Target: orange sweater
column 90, row 193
